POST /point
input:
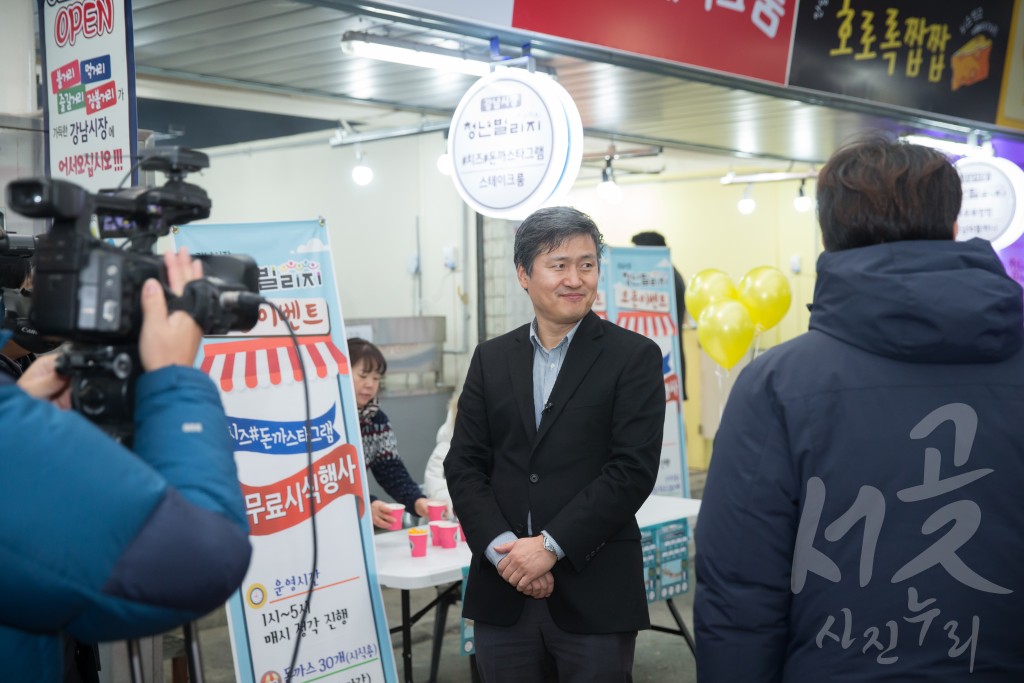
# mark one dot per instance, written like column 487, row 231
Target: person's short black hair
column 549, row 228
column 360, row 350
column 649, row 238
column 877, row 190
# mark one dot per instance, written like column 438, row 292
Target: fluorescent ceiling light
column 960, row 149
column 412, row 54
column 731, row 178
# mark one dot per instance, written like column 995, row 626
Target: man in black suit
column 556, row 446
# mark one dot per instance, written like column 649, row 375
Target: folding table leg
column 406, row 637
column 684, row 631
column 440, row 618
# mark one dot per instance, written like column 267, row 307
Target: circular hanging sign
column 515, row 138
column 992, row 205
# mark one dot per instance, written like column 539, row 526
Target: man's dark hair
column 550, row 228
column 649, row 238
column 875, row 190
column 360, row 350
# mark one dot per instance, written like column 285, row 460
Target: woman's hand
column 422, row 510
column 380, row 514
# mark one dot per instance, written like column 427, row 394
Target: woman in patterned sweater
column 380, row 447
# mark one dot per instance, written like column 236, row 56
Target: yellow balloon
column 725, row 331
column 766, row 294
column 707, row 287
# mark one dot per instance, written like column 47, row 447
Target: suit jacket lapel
column 520, row 367
column 583, row 353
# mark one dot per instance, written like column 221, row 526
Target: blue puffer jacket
column 863, row 518
column 100, row 543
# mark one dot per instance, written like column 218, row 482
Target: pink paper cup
column 435, row 536
column 397, row 512
column 418, row 542
column 446, row 530
column 436, row 510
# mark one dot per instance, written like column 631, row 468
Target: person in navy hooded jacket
column 101, row 543
column 863, row 516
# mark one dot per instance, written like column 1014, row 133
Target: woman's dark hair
column 875, row 190
column 650, row 238
column 360, row 350
column 550, row 228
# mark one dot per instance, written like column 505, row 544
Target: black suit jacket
column 582, row 475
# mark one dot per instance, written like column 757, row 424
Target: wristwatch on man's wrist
column 549, row 545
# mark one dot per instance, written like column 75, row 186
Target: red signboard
column 742, row 37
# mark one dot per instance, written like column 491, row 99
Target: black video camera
column 87, row 290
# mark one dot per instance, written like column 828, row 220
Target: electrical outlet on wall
column 451, row 259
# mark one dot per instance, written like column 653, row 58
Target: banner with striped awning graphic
column 271, row 361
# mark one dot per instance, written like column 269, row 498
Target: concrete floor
column 659, row 656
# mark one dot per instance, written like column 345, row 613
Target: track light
column 973, row 147
column 362, row 44
column 802, row 202
column 362, row 174
column 747, row 204
column 608, row 189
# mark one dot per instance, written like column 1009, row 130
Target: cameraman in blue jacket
column 101, row 543
column 862, row 519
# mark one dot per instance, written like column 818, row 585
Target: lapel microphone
column 547, row 408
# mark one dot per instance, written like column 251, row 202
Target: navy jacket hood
column 909, row 301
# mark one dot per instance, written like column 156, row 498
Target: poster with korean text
column 942, row 57
column 89, row 87
column 640, row 296
column 260, row 374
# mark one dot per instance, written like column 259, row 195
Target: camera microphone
column 241, row 301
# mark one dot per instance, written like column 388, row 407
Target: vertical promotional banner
column 89, row 84
column 260, row 376
column 640, row 296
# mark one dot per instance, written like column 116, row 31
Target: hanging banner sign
column 260, row 374
column 742, row 37
column 516, row 143
column 993, row 208
column 942, row 57
column 89, row 84
column 1011, row 101
column 992, row 205
column 640, row 296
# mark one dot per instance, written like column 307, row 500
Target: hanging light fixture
column 608, row 189
column 802, row 202
column 444, row 160
column 362, row 174
column 746, row 205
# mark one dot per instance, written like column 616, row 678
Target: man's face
column 563, row 284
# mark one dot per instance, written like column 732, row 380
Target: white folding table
column 396, row 568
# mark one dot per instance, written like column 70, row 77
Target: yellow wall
column 703, row 228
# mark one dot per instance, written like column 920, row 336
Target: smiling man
column 556, row 446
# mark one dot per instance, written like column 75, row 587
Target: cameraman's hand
column 41, row 380
column 169, row 339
